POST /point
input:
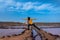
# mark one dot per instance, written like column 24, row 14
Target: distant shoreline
column 23, row 24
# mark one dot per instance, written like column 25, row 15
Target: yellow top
column 30, row 21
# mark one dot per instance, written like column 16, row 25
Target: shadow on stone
column 14, row 35
column 8, row 36
column 3, row 37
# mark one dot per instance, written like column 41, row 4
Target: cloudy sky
column 42, row 10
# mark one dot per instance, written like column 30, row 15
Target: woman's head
column 28, row 18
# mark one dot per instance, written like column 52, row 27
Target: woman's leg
column 28, row 26
column 35, row 26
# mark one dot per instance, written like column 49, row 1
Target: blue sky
column 42, row 10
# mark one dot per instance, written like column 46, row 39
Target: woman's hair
column 28, row 18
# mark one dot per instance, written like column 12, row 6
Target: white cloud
column 43, row 6
column 27, row 6
column 5, row 3
column 11, row 5
column 55, row 10
column 18, row 5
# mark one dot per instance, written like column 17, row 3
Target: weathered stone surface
column 25, row 36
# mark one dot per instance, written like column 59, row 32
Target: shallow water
column 5, row 32
column 55, row 31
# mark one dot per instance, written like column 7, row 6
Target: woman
column 30, row 23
